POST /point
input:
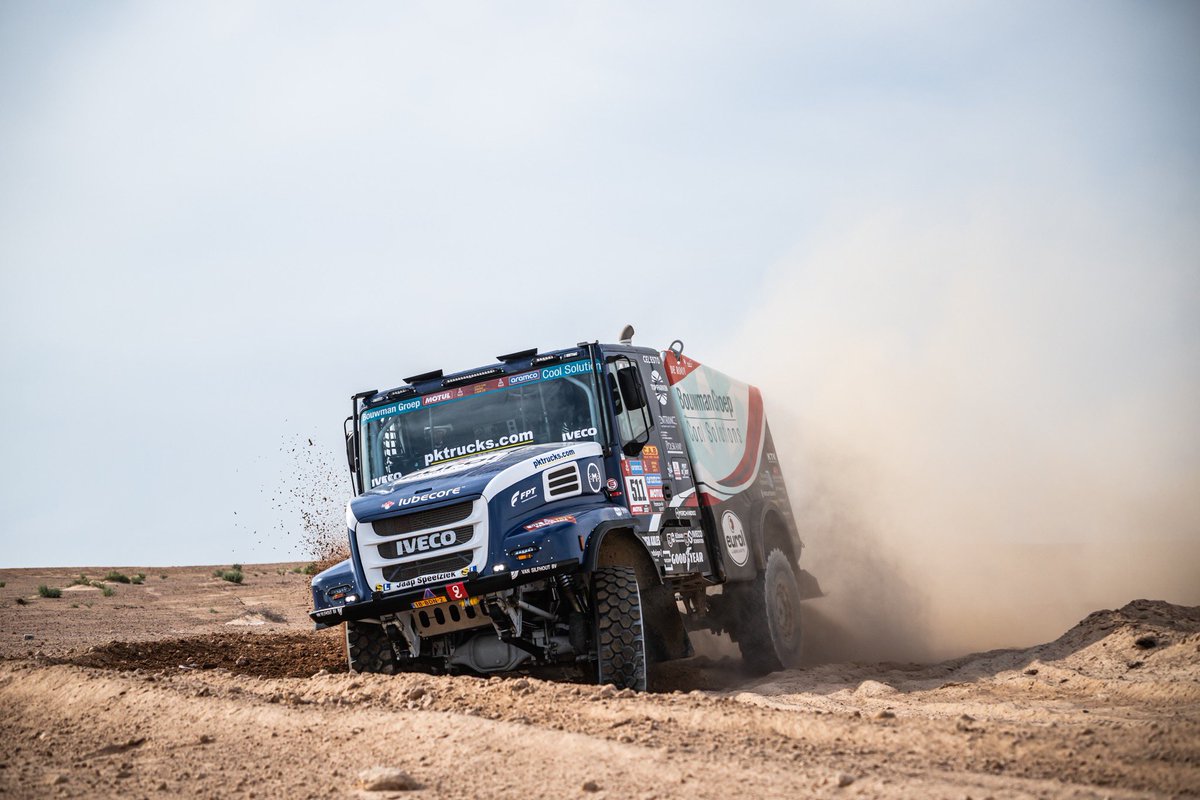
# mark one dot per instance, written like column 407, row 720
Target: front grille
column 395, row 549
column 442, row 517
column 415, row 569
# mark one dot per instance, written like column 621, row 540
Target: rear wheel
column 768, row 614
column 368, row 649
column 620, row 644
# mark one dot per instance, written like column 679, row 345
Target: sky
column 220, row 220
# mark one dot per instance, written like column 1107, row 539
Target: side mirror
column 351, row 445
column 631, row 388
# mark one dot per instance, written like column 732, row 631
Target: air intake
column 562, row 482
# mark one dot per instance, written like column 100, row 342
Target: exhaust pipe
column 626, row 335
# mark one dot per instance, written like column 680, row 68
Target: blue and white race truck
column 587, row 505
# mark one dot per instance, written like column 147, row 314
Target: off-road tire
column 620, row 643
column 368, row 649
column 769, row 628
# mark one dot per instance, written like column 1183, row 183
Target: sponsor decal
column 421, row 498
column 428, row 601
column 526, row 377
column 394, row 408
column 546, row 522
column 654, row 480
column 713, row 401
column 651, row 360
column 428, row 594
column 687, row 558
column 457, row 591
column 458, row 465
column 650, row 451
column 389, row 504
column 654, row 376
column 523, row 496
column 735, row 538
column 566, row 370
column 687, row 512
column 593, row 477
column 534, row 570
column 582, row 433
column 442, row 454
column 652, row 541
column 635, row 466
column 441, row 397
column 421, row 580
column 612, row 484
column 542, row 461
column 668, row 421
column 662, row 399
column 328, row 612
column 655, row 492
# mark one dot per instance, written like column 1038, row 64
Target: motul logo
column 426, row 542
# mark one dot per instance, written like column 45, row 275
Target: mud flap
column 806, row 582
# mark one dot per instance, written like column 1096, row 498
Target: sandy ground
column 192, row 686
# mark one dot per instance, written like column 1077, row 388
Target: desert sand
column 189, row 685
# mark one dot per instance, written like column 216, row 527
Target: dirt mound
column 287, row 655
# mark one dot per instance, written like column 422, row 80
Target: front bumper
column 379, row 603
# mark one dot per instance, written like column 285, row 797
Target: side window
column 629, row 402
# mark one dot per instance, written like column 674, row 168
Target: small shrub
column 164, row 577
column 21, row 601
column 232, row 575
column 49, row 591
column 139, row 578
column 212, row 611
column 82, row 580
column 298, row 570
column 311, row 569
column 237, row 567
column 74, row 605
column 105, row 589
column 116, row 577
column 2, row 584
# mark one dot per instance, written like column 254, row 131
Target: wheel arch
column 615, row 543
column 774, row 532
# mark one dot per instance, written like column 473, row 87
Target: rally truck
column 587, row 506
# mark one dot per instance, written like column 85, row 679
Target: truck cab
column 547, row 508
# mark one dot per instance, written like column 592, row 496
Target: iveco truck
column 587, row 505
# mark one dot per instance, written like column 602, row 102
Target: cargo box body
column 734, row 463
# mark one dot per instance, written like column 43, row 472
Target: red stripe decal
column 746, row 468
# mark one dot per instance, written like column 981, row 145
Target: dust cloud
column 990, row 428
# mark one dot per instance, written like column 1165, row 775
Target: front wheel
column 620, row 644
column 768, row 615
column 368, row 649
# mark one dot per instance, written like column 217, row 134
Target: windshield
column 548, row 405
